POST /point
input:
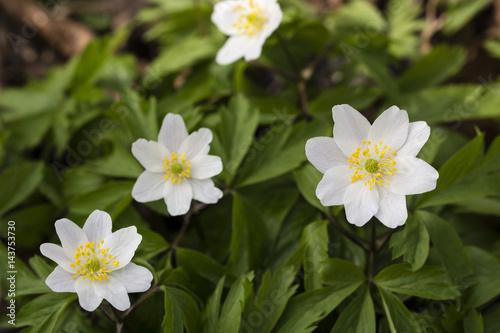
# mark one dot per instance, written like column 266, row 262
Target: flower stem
column 371, row 253
column 301, row 81
column 354, row 238
column 141, row 300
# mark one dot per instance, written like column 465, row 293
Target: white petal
column 114, row 292
column 391, row 127
column 61, row 281
column 196, row 143
column 172, row 132
column 331, row 189
column 392, row 211
column 224, row 16
column 71, row 236
column 324, row 153
column 418, row 134
column 205, row 191
column 149, row 187
column 234, row 48
column 97, row 226
column 122, row 244
column 178, row 198
column 254, row 47
column 136, row 279
column 88, row 298
column 412, row 176
column 360, row 203
column 56, row 253
column 150, row 154
column 203, row 167
column 274, row 16
column 350, row 128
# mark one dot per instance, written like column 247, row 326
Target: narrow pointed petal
column 350, row 128
column 149, row 187
column 88, row 298
column 418, row 134
column 332, row 188
column 97, row 226
column 122, row 244
column 203, row 167
column 205, row 191
column 324, row 153
column 196, row 143
column 413, row 176
column 136, row 279
column 360, row 203
column 391, row 127
column 114, row 292
column 173, row 132
column 392, row 211
column 71, row 236
column 178, row 198
column 150, row 154
column 61, row 281
column 56, row 253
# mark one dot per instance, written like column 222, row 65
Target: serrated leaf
column 398, row 316
column 448, row 245
column 17, row 183
column 180, row 310
column 358, row 316
column 230, row 317
column 427, row 282
column 211, row 312
column 433, row 68
column 412, row 243
column 486, row 284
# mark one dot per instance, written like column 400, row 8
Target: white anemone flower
column 95, row 263
column 371, row 168
column 248, row 23
column 178, row 167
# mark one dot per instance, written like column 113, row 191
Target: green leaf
column 235, row 133
column 279, row 150
column 305, row 310
column 492, row 321
column 44, row 312
column 139, row 115
column 412, row 243
column 441, row 63
column 473, row 322
column 316, row 255
column 358, row 316
column 427, row 282
column 454, row 170
column 460, row 13
column 17, row 183
column 112, row 197
column 486, row 284
column 180, row 310
column 448, row 244
column 152, row 243
column 307, row 179
column 185, row 53
column 274, row 294
column 120, row 163
column 211, row 312
column 341, row 273
column 234, row 304
column 405, row 27
column 203, row 265
column 398, row 316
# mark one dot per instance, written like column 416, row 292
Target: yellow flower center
column 92, row 262
column 374, row 165
column 251, row 19
column 176, row 168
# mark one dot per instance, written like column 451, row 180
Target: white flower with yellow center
column 248, row 23
column 371, row 168
column 178, row 167
column 95, row 263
